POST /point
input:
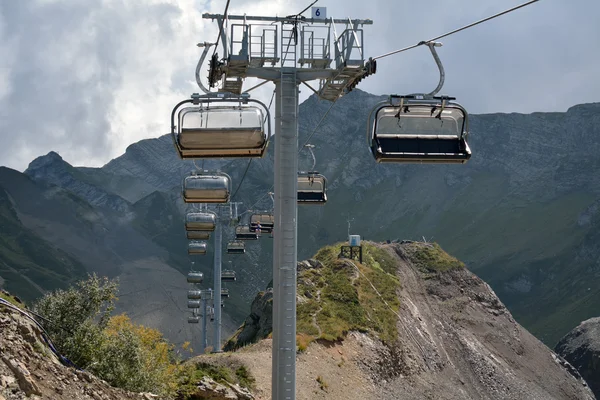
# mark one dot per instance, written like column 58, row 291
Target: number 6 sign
column 319, row 13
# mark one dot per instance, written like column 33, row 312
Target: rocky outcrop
column 455, row 339
column 581, row 348
column 52, row 169
column 28, row 368
column 258, row 325
column 208, row 389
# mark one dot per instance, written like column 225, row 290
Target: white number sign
column 319, row 12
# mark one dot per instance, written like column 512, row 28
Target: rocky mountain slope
column 450, row 336
column 524, row 212
column 29, row 369
column 581, row 348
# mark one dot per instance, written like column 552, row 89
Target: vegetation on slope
column 28, row 263
column 79, row 320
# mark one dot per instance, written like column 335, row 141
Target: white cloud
column 87, row 79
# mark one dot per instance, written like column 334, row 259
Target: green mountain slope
column 30, row 265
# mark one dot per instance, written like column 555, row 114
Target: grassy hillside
column 30, row 265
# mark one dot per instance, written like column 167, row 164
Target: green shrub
column 125, row 354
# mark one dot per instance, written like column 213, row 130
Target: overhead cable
column 456, row 30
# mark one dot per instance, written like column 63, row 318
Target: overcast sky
column 88, row 78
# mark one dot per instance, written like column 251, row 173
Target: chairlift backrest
column 198, row 235
column 243, row 232
column 195, row 277
column 193, row 304
column 193, row 320
column 200, row 221
column 265, row 219
column 197, row 247
column 213, row 188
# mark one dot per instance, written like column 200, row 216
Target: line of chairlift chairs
column 417, row 128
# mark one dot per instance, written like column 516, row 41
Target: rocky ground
column 28, row 369
column 581, row 348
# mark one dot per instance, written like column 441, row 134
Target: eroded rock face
column 29, row 369
column 581, row 348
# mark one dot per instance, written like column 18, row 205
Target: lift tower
column 288, row 51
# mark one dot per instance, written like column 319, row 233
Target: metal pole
column 204, row 330
column 217, row 285
column 285, row 250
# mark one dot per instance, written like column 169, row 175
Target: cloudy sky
column 88, row 78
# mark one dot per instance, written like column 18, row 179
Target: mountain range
column 523, row 214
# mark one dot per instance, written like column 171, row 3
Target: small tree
column 78, row 316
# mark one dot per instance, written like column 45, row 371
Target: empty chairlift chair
column 420, row 128
column 195, row 277
column 236, row 247
column 194, row 294
column 265, row 219
column 407, row 129
column 196, row 248
column 312, row 188
column 194, row 304
column 228, row 276
column 198, row 235
column 225, row 126
column 243, row 232
column 193, row 319
column 225, row 292
column 207, row 188
column 200, row 221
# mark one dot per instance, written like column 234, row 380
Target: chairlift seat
column 236, row 247
column 312, row 188
column 228, row 276
column 420, row 132
column 266, row 221
column 200, row 221
column 195, row 277
column 193, row 304
column 222, row 132
column 224, row 292
column 243, row 232
column 198, row 235
column 197, row 248
column 206, row 189
column 193, row 320
column 194, row 294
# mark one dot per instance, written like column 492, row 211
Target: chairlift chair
column 200, row 221
column 195, row 304
column 197, row 235
column 312, row 188
column 224, row 292
column 197, row 248
column 236, row 247
column 207, row 188
column 194, row 294
column 243, row 232
column 265, row 219
column 193, row 320
column 220, row 125
column 420, row 128
column 195, row 277
column 228, row 276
